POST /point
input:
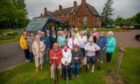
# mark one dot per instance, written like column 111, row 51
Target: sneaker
column 77, row 76
column 101, row 62
column 73, row 76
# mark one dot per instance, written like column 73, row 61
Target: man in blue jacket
column 46, row 39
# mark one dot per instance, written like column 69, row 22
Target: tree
column 135, row 19
column 120, row 21
column 107, row 13
column 11, row 10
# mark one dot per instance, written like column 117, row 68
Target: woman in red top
column 55, row 58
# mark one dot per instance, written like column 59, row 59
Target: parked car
column 125, row 27
column 137, row 37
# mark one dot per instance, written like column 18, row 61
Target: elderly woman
column 38, row 48
column 53, row 36
column 55, row 58
column 91, row 48
column 110, row 46
column 95, row 35
column 30, row 41
column 102, row 40
column 61, row 40
column 76, row 59
column 24, row 45
column 66, row 60
column 77, row 34
column 68, row 36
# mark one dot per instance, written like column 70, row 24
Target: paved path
column 127, row 39
column 11, row 54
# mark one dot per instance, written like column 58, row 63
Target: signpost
column 120, row 57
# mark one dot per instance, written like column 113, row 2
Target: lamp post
column 17, row 25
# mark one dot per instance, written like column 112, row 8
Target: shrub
column 11, row 33
column 137, row 26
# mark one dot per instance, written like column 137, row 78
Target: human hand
column 55, row 58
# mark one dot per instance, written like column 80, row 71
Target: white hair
column 110, row 33
column 94, row 29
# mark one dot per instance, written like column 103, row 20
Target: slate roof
column 72, row 9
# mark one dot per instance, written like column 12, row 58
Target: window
column 79, row 21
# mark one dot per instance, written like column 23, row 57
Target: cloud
column 124, row 8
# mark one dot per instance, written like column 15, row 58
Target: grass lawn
column 25, row 73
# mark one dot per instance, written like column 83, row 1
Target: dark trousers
column 31, row 56
column 108, row 57
column 27, row 54
column 91, row 60
column 83, row 51
column 75, row 66
column 66, row 71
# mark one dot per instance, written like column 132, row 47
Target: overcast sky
column 124, row 8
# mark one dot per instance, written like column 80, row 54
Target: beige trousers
column 38, row 61
column 53, row 67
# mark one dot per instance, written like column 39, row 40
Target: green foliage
column 134, row 20
column 12, row 14
column 120, row 21
column 107, row 13
column 12, row 33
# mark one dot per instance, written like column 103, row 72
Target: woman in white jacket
column 66, row 60
column 38, row 48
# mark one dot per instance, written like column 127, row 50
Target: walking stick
column 56, row 76
column 67, row 82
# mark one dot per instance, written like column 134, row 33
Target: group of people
column 67, row 50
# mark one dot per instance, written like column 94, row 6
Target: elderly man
column 46, row 41
column 91, row 48
column 73, row 41
column 55, row 57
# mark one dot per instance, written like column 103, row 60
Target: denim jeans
column 75, row 66
column 91, row 59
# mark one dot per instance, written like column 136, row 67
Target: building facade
column 83, row 15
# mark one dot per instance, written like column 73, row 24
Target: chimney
column 41, row 15
column 83, row 6
column 60, row 7
column 83, row 2
column 75, row 4
column 45, row 12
